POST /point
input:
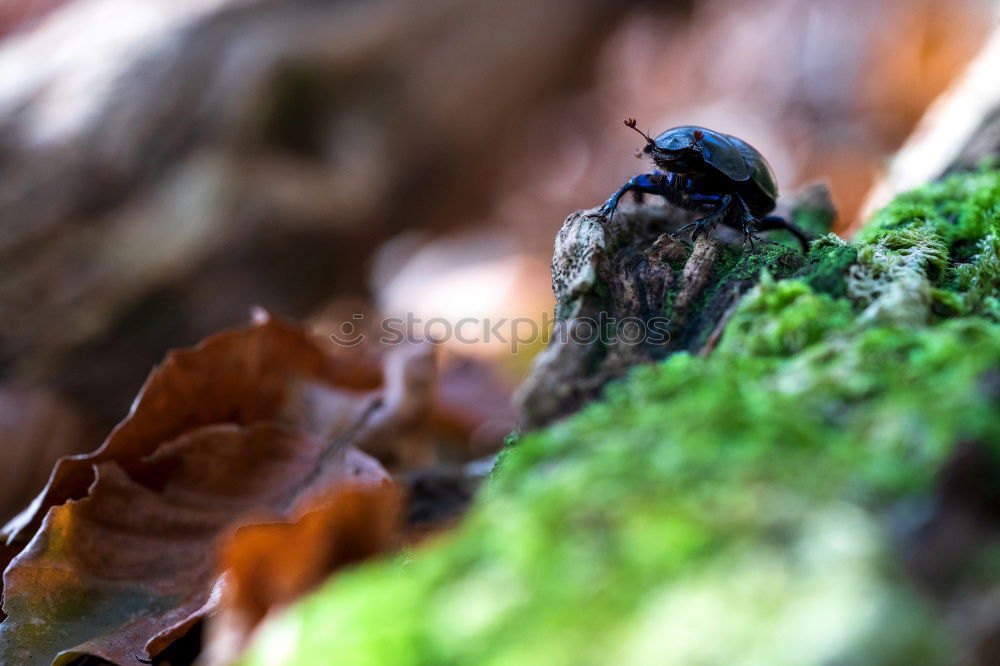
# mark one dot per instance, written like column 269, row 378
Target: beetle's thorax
column 681, row 162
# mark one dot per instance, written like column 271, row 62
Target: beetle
column 705, row 170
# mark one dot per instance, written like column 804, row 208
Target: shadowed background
column 166, row 165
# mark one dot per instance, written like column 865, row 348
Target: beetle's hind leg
column 747, row 222
column 772, row 222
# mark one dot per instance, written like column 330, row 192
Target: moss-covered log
column 628, row 291
column 822, row 488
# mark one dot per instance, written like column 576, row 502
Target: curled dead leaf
column 242, row 428
column 36, row 428
column 270, row 565
column 239, row 376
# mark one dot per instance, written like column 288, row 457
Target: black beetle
column 703, row 169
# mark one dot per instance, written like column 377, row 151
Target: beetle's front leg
column 652, row 183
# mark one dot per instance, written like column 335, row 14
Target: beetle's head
column 674, row 150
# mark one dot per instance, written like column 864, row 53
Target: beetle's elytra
column 704, row 170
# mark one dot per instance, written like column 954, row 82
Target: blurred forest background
column 167, row 164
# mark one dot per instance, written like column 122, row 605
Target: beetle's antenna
column 631, row 123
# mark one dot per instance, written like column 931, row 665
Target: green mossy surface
column 827, row 264
column 733, row 270
column 733, row 509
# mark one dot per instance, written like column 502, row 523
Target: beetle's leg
column 653, row 183
column 748, row 223
column 709, row 221
column 772, row 222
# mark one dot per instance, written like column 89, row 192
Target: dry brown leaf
column 270, row 565
column 239, row 376
column 36, row 428
column 241, row 428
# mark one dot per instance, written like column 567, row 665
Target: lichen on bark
column 821, row 488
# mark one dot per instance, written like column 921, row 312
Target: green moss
column 740, row 263
column 733, row 270
column 962, row 210
column 942, row 241
column 805, row 318
column 813, row 216
column 826, row 265
column 509, row 442
column 723, row 509
column 772, row 257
